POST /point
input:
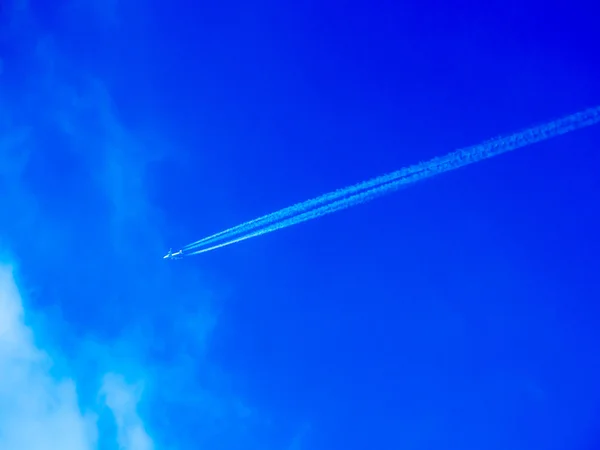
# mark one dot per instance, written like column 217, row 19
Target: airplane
column 171, row 255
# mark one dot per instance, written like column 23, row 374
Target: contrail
column 299, row 207
column 365, row 191
column 325, row 209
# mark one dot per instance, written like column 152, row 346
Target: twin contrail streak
column 378, row 186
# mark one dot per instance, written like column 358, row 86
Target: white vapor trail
column 367, row 190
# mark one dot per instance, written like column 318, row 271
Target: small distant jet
column 171, row 255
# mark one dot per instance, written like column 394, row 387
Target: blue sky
column 459, row 313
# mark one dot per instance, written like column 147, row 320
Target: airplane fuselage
column 176, row 255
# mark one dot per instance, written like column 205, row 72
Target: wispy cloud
column 122, row 399
column 37, row 411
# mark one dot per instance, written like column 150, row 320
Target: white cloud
column 41, row 412
column 37, row 412
column 122, row 399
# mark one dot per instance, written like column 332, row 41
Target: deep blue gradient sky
column 461, row 313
